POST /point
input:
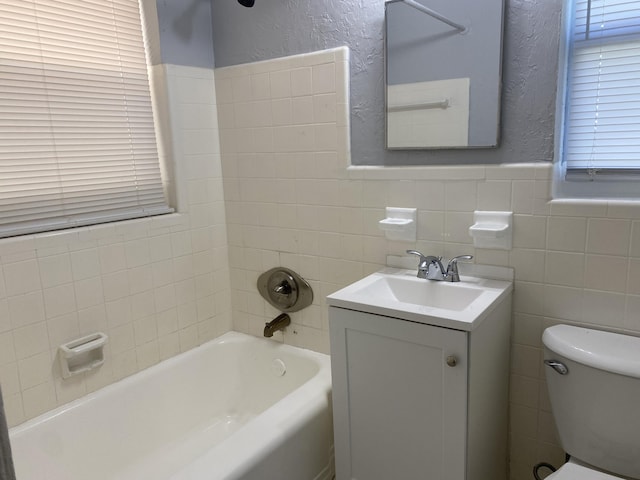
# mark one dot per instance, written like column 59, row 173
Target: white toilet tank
column 596, row 403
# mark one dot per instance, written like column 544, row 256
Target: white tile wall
column 292, row 201
column 155, row 286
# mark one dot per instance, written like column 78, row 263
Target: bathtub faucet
column 276, row 324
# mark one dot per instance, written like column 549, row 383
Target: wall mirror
column 443, row 73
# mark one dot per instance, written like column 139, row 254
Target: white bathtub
column 220, row 411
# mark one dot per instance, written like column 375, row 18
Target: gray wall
column 185, row 32
column 276, row 28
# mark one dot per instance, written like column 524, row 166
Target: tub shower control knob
column 285, row 290
column 452, row 361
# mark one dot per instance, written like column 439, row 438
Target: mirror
column 443, row 73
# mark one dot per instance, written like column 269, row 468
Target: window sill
column 78, row 238
column 597, row 207
column 507, row 171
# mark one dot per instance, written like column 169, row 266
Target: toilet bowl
column 593, row 378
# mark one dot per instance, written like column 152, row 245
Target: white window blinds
column 602, row 113
column 77, row 138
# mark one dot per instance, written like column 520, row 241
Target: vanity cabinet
column 418, row 401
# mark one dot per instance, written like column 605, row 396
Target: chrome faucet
column 276, row 324
column 431, row 267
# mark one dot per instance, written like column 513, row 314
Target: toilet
column 593, row 379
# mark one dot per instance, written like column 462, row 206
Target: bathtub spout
column 276, row 324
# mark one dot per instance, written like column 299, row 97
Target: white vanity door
column 400, row 411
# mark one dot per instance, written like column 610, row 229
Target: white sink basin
column 392, row 288
column 400, row 294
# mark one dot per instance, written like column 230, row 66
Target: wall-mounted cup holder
column 285, row 290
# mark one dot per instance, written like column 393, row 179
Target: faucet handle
column 454, row 260
column 423, row 257
column 452, row 267
column 284, row 289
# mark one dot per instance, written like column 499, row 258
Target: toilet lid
column 572, row 471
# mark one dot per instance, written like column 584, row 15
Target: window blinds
column 77, row 138
column 602, row 118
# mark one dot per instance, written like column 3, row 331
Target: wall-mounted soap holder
column 399, row 224
column 492, row 230
column 82, row 354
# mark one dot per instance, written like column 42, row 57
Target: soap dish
column 492, row 230
column 82, row 354
column 399, row 224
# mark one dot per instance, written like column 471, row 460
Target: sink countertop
column 400, row 294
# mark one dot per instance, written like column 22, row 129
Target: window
column 77, row 137
column 599, row 154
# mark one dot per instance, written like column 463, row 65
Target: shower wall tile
column 604, row 309
column 578, row 208
column 494, row 195
column 606, row 272
column 626, row 209
column 566, row 234
column 529, row 265
column 148, row 283
column 563, row 268
column 633, row 284
column 632, row 318
column 608, row 236
column 530, row 231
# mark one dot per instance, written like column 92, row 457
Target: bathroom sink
column 405, row 289
column 400, row 294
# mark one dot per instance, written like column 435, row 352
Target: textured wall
column 185, row 32
column 275, row 28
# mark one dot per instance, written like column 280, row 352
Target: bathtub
column 238, row 407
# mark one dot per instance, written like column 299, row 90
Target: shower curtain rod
column 432, row 13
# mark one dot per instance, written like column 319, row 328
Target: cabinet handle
column 452, row 361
